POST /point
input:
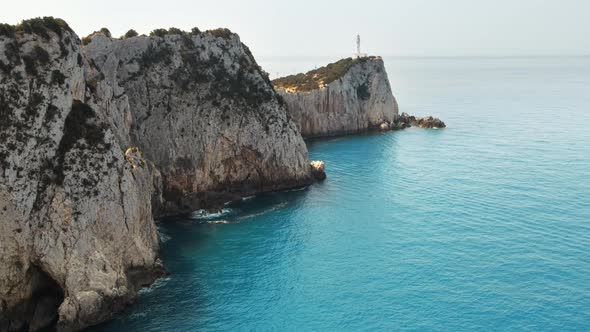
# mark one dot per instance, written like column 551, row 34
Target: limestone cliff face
column 358, row 100
column 77, row 238
column 77, row 235
column 203, row 111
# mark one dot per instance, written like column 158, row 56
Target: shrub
column 164, row 32
column 41, row 55
column 131, row 33
column 57, row 77
column 195, row 31
column 175, row 31
column 155, row 55
column 316, row 78
column 63, row 46
column 41, row 26
column 86, row 40
column 362, row 92
column 106, row 32
column 281, row 100
column 80, row 124
column 35, row 100
column 12, row 52
column 77, row 125
column 248, row 52
column 7, row 30
column 29, row 65
column 51, row 113
column 221, row 33
column 6, row 69
column 158, row 33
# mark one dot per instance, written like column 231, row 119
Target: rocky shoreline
column 349, row 96
column 406, row 121
column 346, row 97
column 99, row 136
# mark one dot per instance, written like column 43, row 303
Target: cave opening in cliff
column 41, row 310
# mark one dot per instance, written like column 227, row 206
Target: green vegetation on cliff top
column 220, row 33
column 38, row 25
column 317, row 78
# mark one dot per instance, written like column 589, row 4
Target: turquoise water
column 484, row 225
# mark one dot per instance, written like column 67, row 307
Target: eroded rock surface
column 359, row 100
column 77, row 237
column 95, row 138
column 346, row 97
column 200, row 108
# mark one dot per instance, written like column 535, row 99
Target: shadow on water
column 235, row 212
column 314, row 141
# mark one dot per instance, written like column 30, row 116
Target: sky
column 329, row 28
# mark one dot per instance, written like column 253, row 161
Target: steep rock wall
column 359, row 100
column 203, row 111
column 77, row 237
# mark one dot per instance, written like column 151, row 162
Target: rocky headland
column 201, row 109
column 99, row 135
column 345, row 97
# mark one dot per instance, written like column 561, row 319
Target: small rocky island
column 348, row 96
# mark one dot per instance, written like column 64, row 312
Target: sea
column 482, row 226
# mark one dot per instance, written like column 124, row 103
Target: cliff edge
column 346, row 97
column 349, row 96
column 98, row 136
column 77, row 237
column 201, row 109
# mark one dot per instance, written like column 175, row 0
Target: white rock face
column 202, row 110
column 77, row 237
column 359, row 100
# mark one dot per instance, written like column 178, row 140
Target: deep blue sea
column 484, row 225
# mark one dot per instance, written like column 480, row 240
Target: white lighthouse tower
column 358, row 53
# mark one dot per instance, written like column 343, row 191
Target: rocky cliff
column 203, row 111
column 77, row 238
column 77, row 235
column 348, row 96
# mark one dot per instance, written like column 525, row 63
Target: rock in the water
column 426, row 122
column 348, row 96
column 429, row 122
column 318, row 169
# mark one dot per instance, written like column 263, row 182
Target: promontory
column 349, row 96
column 100, row 135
